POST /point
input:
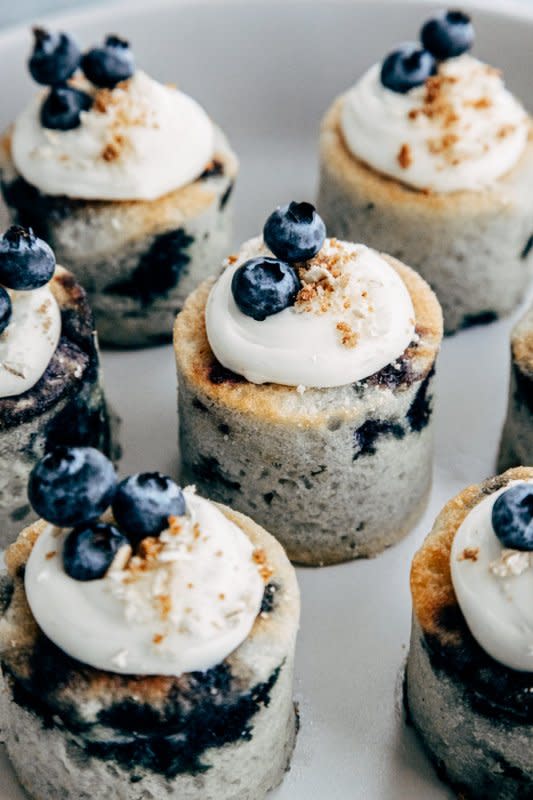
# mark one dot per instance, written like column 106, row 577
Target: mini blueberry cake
column 469, row 681
column 428, row 157
column 126, row 178
column 50, row 382
column 517, row 439
column 305, row 378
column 146, row 649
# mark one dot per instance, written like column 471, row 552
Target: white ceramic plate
column 267, row 71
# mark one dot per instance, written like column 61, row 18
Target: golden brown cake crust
column 389, row 191
column 273, row 401
column 522, row 343
column 431, row 583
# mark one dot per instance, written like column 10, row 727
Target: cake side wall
column 485, row 757
column 51, row 762
column 329, row 492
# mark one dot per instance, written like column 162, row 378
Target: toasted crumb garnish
column 266, row 573
column 348, row 336
column 469, row 554
column 506, row 130
column 405, row 157
column 480, row 102
column 259, row 556
column 165, row 602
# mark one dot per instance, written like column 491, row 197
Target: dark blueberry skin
column 5, row 309
column 72, row 485
column 295, row 232
column 406, row 68
column 144, row 502
column 26, row 262
column 55, row 57
column 512, row 517
column 264, row 286
column 89, row 550
column 448, row 34
column 108, row 65
column 62, row 108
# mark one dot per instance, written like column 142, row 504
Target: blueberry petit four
column 147, row 641
column 50, row 382
column 516, row 445
column 469, row 680
column 128, row 179
column 305, row 377
column 428, row 157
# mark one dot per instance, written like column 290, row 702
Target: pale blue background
column 16, row 11
column 13, row 11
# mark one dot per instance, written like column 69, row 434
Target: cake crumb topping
column 469, row 554
column 260, row 558
column 405, row 157
column 511, row 563
column 449, row 109
column 348, row 336
column 330, row 287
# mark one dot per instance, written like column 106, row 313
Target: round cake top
column 111, row 133
column 478, row 559
column 200, row 371
column 166, row 584
column 437, row 120
column 298, row 309
column 30, row 318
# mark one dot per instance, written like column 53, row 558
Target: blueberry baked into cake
column 516, row 445
column 126, row 178
column 146, row 643
column 50, row 382
column 469, row 680
column 429, row 158
column 305, row 376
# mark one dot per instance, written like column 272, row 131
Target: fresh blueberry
column 448, row 34
column 144, row 502
column 62, row 108
column 406, row 68
column 55, row 57
column 295, row 232
column 72, row 485
column 264, row 286
column 108, row 65
column 89, row 550
column 26, row 262
column 5, row 309
column 512, row 517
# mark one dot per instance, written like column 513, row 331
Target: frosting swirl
column 353, row 316
column 494, row 587
column 139, row 141
column 29, row 341
column 183, row 605
column 462, row 130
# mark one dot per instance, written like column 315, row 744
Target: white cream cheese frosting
column 139, row 141
column 352, row 317
column 185, row 606
column 494, row 587
column 462, row 130
column 29, row 341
